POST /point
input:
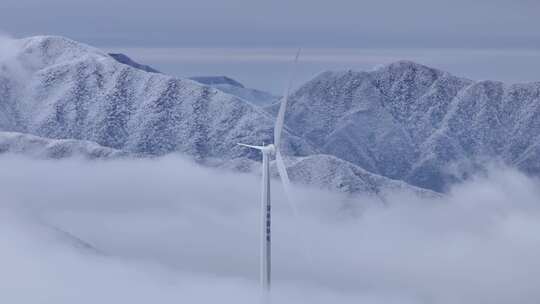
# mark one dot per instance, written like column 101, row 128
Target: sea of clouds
column 169, row 231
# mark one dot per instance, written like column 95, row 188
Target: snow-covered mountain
column 404, row 121
column 57, row 88
column 60, row 98
column 410, row 122
column 233, row 87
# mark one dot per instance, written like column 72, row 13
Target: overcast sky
column 321, row 23
column 390, row 25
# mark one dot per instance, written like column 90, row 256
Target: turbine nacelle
column 268, row 149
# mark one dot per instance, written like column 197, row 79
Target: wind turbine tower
column 266, row 207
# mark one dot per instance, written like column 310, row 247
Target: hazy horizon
column 443, row 34
column 281, row 23
column 269, row 68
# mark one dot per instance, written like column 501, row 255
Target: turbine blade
column 280, row 164
column 278, row 128
column 251, row 146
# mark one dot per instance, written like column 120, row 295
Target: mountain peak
column 48, row 38
column 41, row 51
column 217, row 80
column 401, row 66
column 124, row 59
column 46, row 42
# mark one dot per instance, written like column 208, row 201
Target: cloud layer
column 166, row 231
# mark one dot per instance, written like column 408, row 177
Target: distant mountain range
column 401, row 126
column 122, row 58
column 233, row 87
column 223, row 83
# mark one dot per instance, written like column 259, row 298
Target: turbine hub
column 270, row 149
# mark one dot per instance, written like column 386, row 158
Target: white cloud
column 9, row 49
column 170, row 231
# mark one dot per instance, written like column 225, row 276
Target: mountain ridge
column 76, row 91
column 404, row 121
column 233, row 87
column 408, row 121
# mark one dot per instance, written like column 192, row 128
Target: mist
column 167, row 230
column 8, row 52
column 10, row 64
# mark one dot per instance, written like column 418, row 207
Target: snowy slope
column 233, row 87
column 410, row 122
column 39, row 147
column 63, row 89
column 330, row 172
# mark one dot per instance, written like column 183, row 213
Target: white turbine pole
column 266, row 222
column 266, row 238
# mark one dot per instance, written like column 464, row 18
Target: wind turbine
column 266, row 208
